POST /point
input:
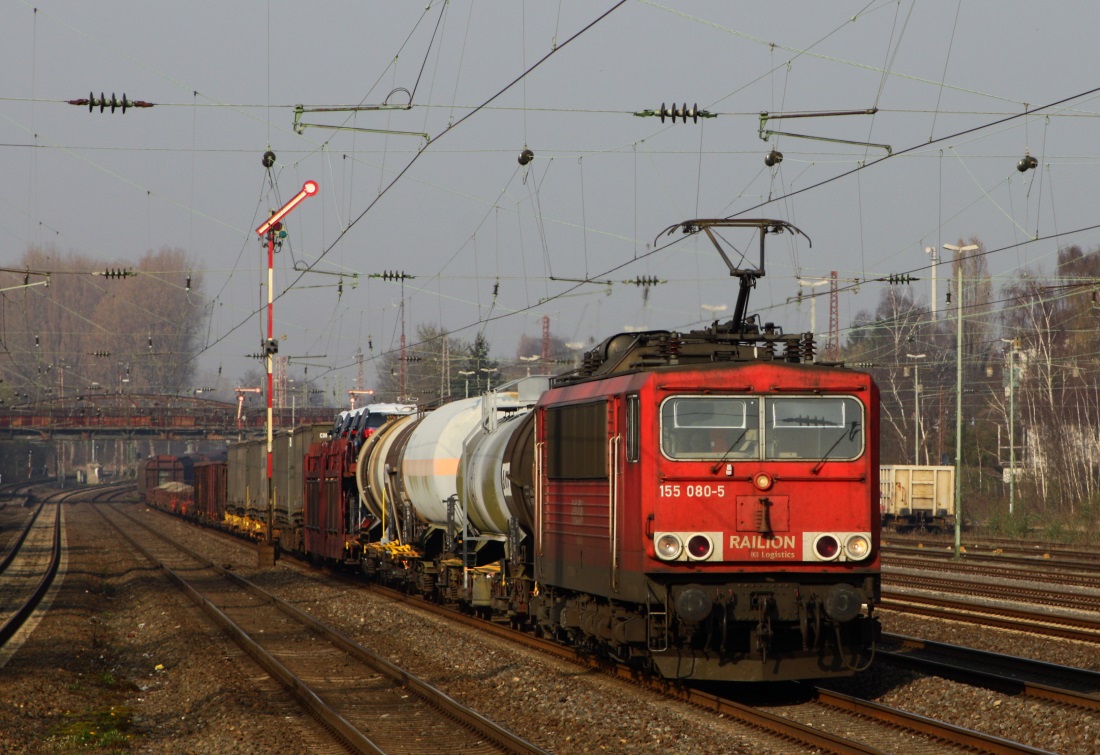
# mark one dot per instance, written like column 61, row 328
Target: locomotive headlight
column 668, row 547
column 762, row 480
column 858, row 547
column 699, row 547
column 693, row 605
column 826, row 547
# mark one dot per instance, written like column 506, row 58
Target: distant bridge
column 129, row 415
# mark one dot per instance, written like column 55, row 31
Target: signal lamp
column 699, row 547
column 826, row 547
column 762, row 480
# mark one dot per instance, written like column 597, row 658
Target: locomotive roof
column 719, row 343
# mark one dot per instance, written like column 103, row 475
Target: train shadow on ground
column 873, row 684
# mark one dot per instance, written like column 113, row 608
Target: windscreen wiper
column 851, row 436
column 717, row 464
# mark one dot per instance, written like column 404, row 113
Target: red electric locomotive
column 717, row 517
column 707, row 502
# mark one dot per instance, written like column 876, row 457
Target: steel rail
column 1065, row 627
column 1016, row 676
column 940, row 730
column 439, row 700
column 777, row 725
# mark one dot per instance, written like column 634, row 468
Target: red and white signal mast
column 271, row 228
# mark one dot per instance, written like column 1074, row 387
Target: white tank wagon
column 451, row 466
column 379, row 455
column 485, row 485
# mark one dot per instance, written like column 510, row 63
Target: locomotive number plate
column 690, row 490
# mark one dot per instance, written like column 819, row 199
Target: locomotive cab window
column 819, row 427
column 708, row 427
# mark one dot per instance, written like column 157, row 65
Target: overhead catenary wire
column 864, row 271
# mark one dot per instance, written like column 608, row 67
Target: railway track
column 31, row 562
column 1034, row 571
column 826, row 721
column 1033, row 593
column 1005, row 673
column 28, row 569
column 1081, row 629
column 368, row 703
column 1019, row 555
column 991, row 546
column 1056, row 598
column 829, row 721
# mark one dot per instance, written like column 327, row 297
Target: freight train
column 700, row 504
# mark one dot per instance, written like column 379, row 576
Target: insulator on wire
column 114, row 103
column 393, row 275
column 644, row 280
column 683, row 113
column 900, row 278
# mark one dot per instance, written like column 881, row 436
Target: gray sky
column 465, row 218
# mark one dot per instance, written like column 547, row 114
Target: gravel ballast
column 118, row 634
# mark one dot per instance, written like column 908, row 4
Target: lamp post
column 934, row 254
column 466, row 374
column 959, row 251
column 916, row 407
column 270, row 228
column 1011, row 422
column 488, row 377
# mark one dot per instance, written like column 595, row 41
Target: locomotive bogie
column 755, row 631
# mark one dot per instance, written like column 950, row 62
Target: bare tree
column 101, row 325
